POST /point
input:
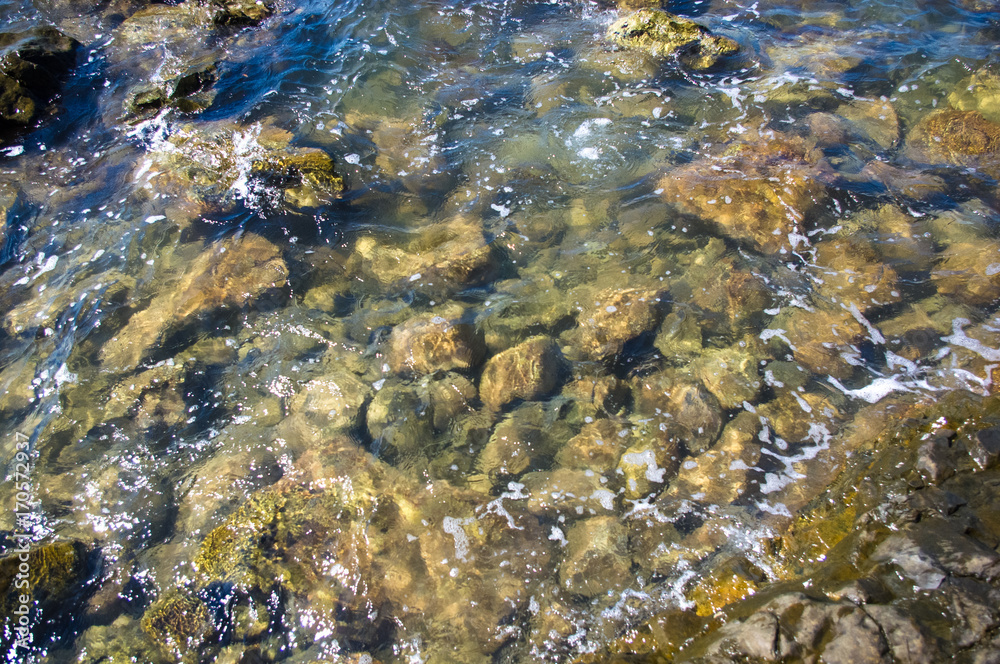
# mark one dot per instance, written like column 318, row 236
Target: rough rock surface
column 661, row 34
column 761, row 193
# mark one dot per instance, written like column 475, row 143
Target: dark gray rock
column 33, row 65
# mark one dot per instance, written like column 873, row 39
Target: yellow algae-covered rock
column 730, row 581
column 530, row 371
column 179, row 623
column 662, row 34
column 513, row 445
column 229, row 273
column 430, row 343
column 760, row 192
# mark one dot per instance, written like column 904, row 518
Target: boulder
column 597, row 446
column 612, row 317
column 759, row 192
column 230, row 273
column 568, row 494
column 957, row 138
column 335, row 402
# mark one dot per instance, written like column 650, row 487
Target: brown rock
column 527, row 371
column 596, row 557
column 761, row 192
column 568, row 493
column 969, row 272
column 229, row 273
column 614, row 317
column 721, row 475
column 597, row 447
column 427, row 344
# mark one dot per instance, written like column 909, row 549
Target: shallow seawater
column 456, row 332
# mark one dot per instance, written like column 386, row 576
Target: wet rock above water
column 230, row 273
column 185, row 88
column 33, row 65
column 530, row 371
column 663, row 34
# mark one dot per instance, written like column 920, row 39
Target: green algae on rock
column 662, row 34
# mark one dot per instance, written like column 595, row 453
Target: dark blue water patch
column 20, row 218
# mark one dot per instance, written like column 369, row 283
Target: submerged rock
column 723, row 473
column 597, row 447
column 214, row 164
column 980, row 92
column 426, row 344
column 850, row 272
column 663, row 34
column 399, row 421
column 231, row 273
column 179, row 623
column 613, row 317
column 441, row 259
column 531, row 370
column 596, row 560
column 959, row 138
column 33, row 65
column 49, row 580
column 763, row 193
column 969, row 272
column 336, row 402
column 185, row 88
